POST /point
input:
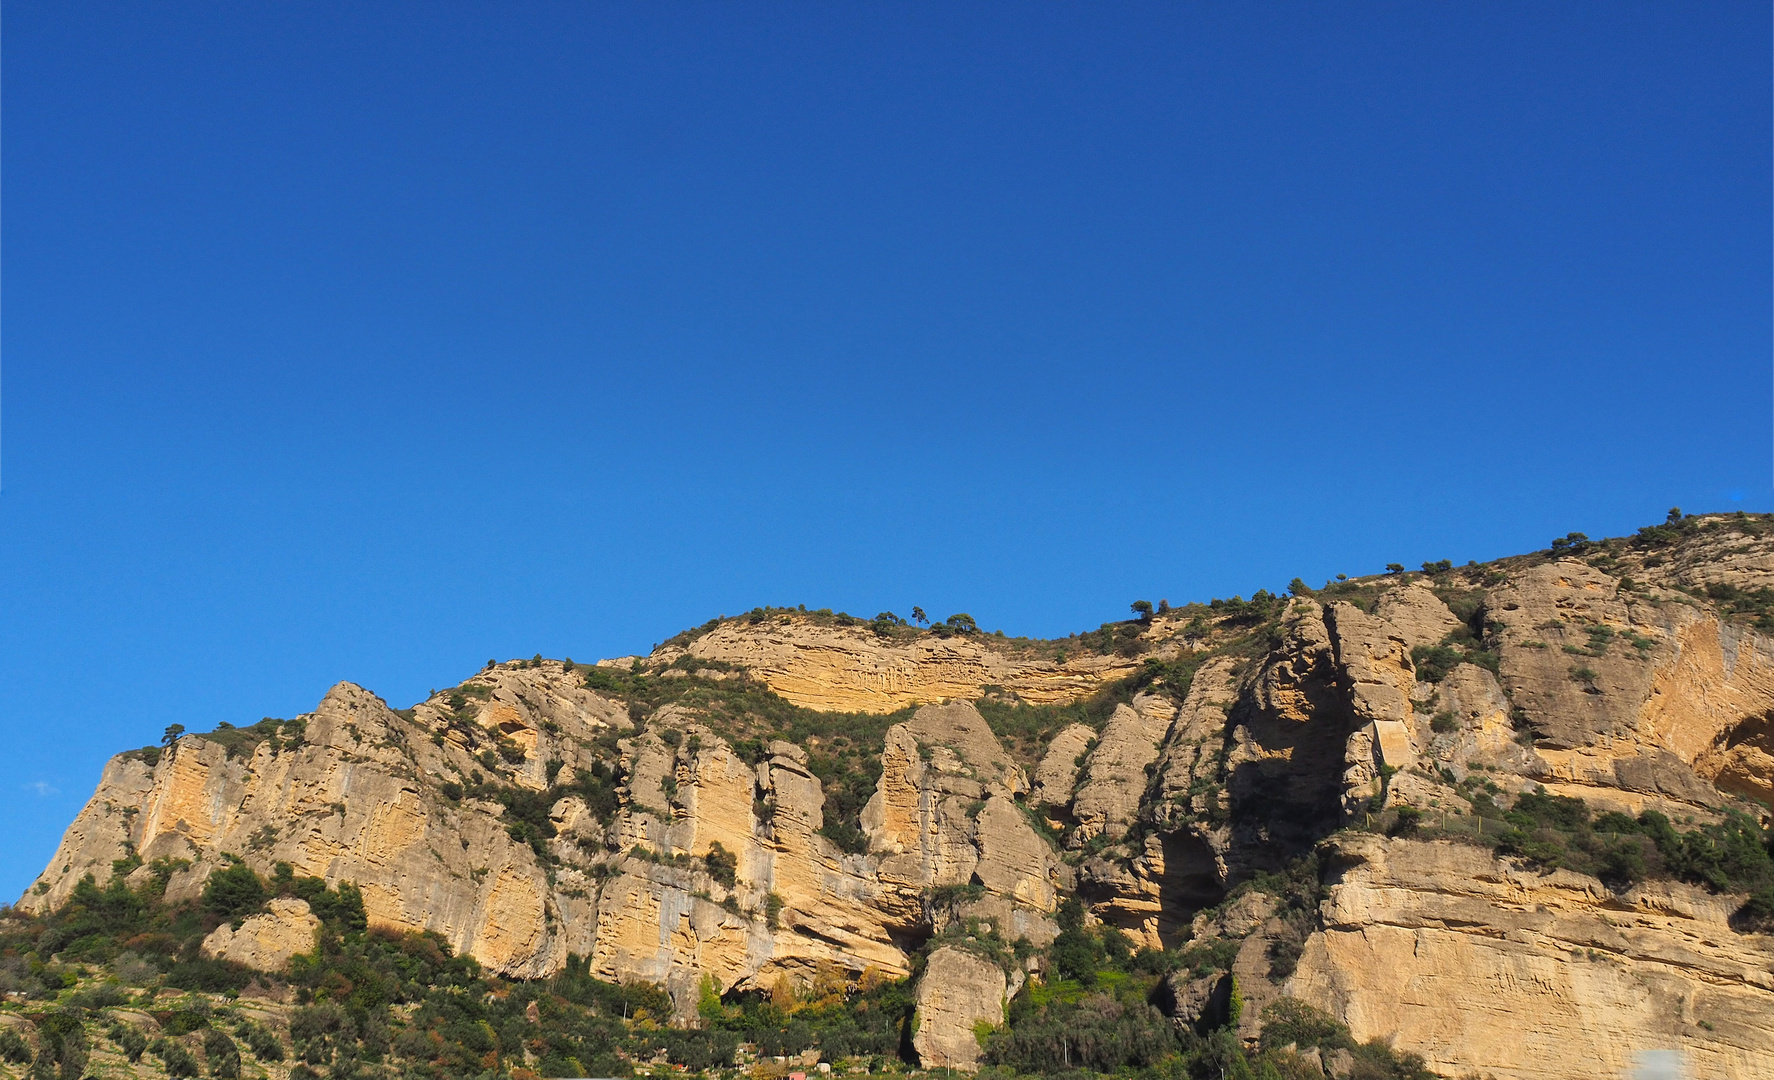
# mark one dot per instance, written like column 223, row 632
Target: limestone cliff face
column 1057, row 775
column 364, row 794
column 1117, row 770
column 1449, row 952
column 852, row 669
column 1632, row 696
column 946, row 813
column 356, row 797
column 526, row 817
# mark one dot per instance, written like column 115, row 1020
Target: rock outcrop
column 853, row 669
column 959, row 994
column 1117, row 771
column 266, row 941
column 1444, row 950
column 537, row 811
column 1057, row 775
column 946, row 812
column 355, row 792
column 352, row 792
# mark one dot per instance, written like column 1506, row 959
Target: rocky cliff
column 774, row 797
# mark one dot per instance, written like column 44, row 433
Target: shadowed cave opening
column 1191, row 883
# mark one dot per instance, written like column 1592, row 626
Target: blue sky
column 369, row 341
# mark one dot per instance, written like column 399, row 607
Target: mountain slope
column 1350, row 797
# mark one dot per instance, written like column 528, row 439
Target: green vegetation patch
column 843, row 749
column 526, row 811
column 1729, row 856
column 1475, row 642
column 1025, row 730
column 1291, row 1023
column 384, row 1005
column 1556, row 831
column 1752, row 605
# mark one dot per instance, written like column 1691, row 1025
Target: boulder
column 1201, row 1002
column 958, row 992
column 266, row 942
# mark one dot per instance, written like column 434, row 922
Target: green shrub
column 233, row 891
column 102, row 996
column 1405, row 821
column 698, row 1050
column 13, row 1047
column 885, row 623
column 340, row 907
column 1434, row 662
column 177, row 1060
column 1731, row 855
column 1573, row 543
column 1757, row 914
column 241, row 742
column 261, row 1042
column 1099, row 1032
column 1287, row 1022
column 184, row 1022
column 129, row 1039
column 221, row 1054
column 723, row 865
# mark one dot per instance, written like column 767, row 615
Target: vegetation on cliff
column 1227, row 780
column 114, row 976
column 109, row 966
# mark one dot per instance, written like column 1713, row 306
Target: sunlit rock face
column 537, row 811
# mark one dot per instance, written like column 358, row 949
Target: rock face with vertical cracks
column 535, row 811
column 959, row 992
column 946, row 812
column 360, row 795
column 1057, row 775
column 1117, row 770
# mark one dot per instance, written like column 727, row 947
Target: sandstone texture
column 358, row 795
column 1057, row 775
column 1116, row 772
column 853, row 669
column 1441, row 949
column 959, row 992
column 668, row 836
column 266, row 941
column 946, row 812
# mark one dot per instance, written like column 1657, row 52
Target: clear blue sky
column 367, row 341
